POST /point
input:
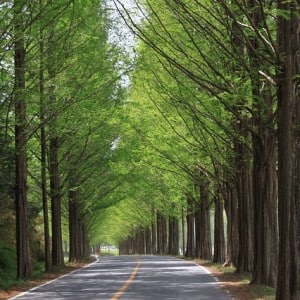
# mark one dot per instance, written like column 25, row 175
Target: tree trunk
column 183, row 229
column 198, row 229
column 265, row 225
column 205, row 232
column 47, row 251
column 140, row 241
column 24, row 268
column 230, row 204
column 74, row 227
column 148, row 242
column 57, row 246
column 173, row 245
column 161, row 234
column 242, row 162
column 154, row 232
column 79, row 245
column 264, row 162
column 245, row 206
column 288, row 283
column 85, row 242
column 55, row 188
column 190, row 219
column 219, row 238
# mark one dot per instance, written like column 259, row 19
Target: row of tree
column 211, row 123
column 60, row 86
column 215, row 103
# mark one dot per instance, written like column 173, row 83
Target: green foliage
column 262, row 292
column 8, row 265
column 7, row 220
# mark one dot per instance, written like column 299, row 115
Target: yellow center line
column 119, row 293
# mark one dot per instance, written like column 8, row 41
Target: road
column 132, row 278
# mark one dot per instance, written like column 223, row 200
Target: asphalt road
column 132, row 278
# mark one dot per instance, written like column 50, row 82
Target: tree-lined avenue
column 158, row 277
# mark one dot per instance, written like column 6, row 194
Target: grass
column 262, row 292
column 238, row 284
column 8, row 277
column 111, row 252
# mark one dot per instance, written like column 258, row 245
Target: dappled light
column 132, row 128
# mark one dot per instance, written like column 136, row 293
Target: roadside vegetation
column 162, row 127
column 238, row 284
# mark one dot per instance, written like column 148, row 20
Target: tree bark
column 24, row 268
column 183, row 229
column 264, row 161
column 173, row 244
column 154, row 232
column 140, row 241
column 161, row 234
column 230, row 205
column 57, row 246
column 241, row 146
column 245, row 206
column 219, row 238
column 47, row 251
column 74, row 228
column 148, row 235
column 190, row 219
column 288, row 283
column 205, row 228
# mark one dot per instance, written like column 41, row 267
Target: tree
column 24, row 268
column 288, row 283
column 200, row 62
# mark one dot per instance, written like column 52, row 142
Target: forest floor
column 236, row 284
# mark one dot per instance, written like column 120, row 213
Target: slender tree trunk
column 57, row 246
column 198, row 229
column 264, row 163
column 24, row 268
column 74, row 227
column 219, row 238
column 140, row 241
column 55, row 188
column 170, row 235
column 190, row 219
column 265, row 233
column 148, row 242
column 153, row 237
column 205, row 232
column 173, row 245
column 230, row 205
column 154, row 232
column 161, row 234
column 183, row 229
column 245, row 207
column 288, row 283
column 85, row 241
column 44, row 156
column 242, row 163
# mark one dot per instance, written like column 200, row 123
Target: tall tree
column 24, row 268
column 288, row 283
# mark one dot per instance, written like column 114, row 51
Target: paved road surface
column 132, row 278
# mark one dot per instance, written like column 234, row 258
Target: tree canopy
column 143, row 124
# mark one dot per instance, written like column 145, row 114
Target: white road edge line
column 215, row 278
column 48, row 282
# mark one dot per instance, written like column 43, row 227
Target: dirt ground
column 237, row 288
column 231, row 282
column 35, row 282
